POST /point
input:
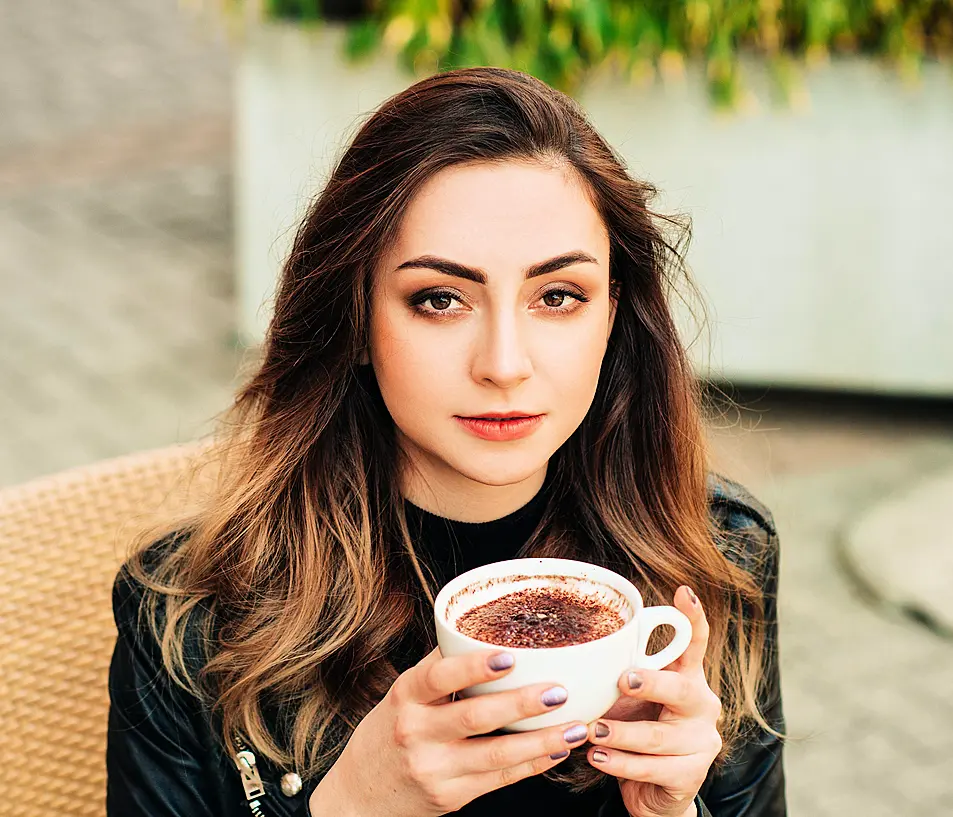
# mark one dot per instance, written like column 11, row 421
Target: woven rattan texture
column 62, row 539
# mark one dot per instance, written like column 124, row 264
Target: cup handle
column 649, row 619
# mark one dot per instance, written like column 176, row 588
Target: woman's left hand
column 662, row 764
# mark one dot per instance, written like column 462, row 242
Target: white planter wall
column 821, row 239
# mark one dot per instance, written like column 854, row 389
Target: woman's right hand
column 415, row 753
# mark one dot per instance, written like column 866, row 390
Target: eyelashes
column 418, row 301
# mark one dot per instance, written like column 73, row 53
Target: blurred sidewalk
column 901, row 550
column 115, row 230
column 868, row 693
column 116, row 331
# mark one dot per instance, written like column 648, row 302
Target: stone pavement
column 115, row 230
column 90, row 69
column 868, row 693
column 116, row 334
column 901, row 551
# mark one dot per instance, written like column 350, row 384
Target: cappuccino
column 540, row 618
column 593, row 617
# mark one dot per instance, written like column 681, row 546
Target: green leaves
column 560, row 41
column 363, row 39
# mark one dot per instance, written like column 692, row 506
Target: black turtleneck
column 450, row 548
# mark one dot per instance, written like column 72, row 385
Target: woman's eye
column 440, row 302
column 432, row 303
column 555, row 300
column 559, row 295
column 429, row 303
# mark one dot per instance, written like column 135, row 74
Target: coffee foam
column 486, row 590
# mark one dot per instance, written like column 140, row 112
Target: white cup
column 589, row 671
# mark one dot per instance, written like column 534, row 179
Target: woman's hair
column 299, row 574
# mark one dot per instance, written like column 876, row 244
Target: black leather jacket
column 163, row 758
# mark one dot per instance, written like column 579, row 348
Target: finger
column 506, row 751
column 430, row 657
column 490, row 781
column 486, row 713
column 683, row 693
column 691, row 606
column 674, row 773
column 435, row 677
column 652, row 737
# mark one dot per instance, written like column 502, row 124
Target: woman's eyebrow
column 448, row 267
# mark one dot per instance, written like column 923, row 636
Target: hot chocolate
column 540, row 617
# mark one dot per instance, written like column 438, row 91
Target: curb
column 898, row 553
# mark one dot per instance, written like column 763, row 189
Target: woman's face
column 521, row 337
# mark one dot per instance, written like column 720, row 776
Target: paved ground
column 115, row 253
column 116, row 333
column 915, row 578
column 868, row 693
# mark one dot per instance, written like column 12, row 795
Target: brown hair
column 302, row 557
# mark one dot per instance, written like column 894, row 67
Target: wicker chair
column 62, row 539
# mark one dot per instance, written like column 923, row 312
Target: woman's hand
column 416, row 752
column 662, row 764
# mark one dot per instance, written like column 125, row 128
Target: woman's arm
column 154, row 758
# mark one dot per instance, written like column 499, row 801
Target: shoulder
column 734, row 507
column 128, row 593
column 129, row 597
column 743, row 527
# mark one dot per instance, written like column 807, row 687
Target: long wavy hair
column 299, row 573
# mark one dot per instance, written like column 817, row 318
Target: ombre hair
column 299, row 574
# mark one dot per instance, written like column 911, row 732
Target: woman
column 479, row 251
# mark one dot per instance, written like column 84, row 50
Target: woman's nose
column 501, row 352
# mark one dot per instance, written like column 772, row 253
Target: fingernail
column 560, row 755
column 599, row 756
column 555, row 696
column 601, row 730
column 576, row 733
column 692, row 596
column 635, row 680
column 500, row 661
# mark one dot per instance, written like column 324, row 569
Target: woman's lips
column 501, row 430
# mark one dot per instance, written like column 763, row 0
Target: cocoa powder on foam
column 540, row 617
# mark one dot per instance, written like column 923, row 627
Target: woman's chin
column 496, row 469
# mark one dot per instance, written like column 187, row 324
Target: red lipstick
column 503, row 426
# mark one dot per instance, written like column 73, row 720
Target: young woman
column 479, row 252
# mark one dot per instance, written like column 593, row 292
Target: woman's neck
column 464, row 500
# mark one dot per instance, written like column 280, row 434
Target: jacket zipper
column 251, row 779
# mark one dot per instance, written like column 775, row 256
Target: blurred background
column 154, row 156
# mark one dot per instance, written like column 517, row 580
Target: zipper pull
column 251, row 779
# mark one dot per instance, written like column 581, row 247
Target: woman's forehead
column 518, row 212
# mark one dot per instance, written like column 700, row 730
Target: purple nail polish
column 576, row 733
column 559, row 755
column 500, row 661
column 555, row 696
column 635, row 680
column 601, row 730
column 692, row 596
column 599, row 756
